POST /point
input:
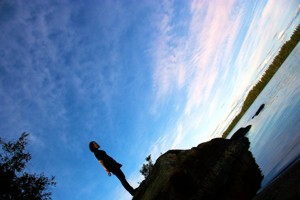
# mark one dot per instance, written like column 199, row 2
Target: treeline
column 284, row 52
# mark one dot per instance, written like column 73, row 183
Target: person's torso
column 108, row 161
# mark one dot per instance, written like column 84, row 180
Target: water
column 275, row 132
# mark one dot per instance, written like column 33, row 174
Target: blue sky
column 139, row 77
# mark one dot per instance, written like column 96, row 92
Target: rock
column 218, row 169
column 259, row 110
column 241, row 132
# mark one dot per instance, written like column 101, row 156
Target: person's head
column 93, row 146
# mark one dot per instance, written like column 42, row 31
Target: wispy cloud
column 201, row 57
column 164, row 53
column 210, row 38
column 50, row 61
column 27, row 57
column 213, row 38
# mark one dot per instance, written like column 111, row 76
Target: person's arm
column 102, row 163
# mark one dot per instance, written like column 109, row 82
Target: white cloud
column 200, row 56
column 163, row 53
column 181, row 75
column 209, row 33
column 160, row 145
column 178, row 135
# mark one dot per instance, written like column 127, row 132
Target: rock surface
column 219, row 169
column 241, row 133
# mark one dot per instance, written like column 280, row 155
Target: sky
column 139, row 77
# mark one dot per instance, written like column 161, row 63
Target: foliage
column 15, row 182
column 284, row 52
column 147, row 167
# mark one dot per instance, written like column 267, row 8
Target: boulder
column 259, row 110
column 241, row 132
column 219, row 169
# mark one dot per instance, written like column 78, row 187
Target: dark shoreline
column 285, row 186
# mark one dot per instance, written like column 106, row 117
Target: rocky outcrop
column 218, row 169
column 241, row 133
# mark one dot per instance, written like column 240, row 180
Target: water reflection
column 275, row 132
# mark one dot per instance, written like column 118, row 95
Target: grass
column 284, row 52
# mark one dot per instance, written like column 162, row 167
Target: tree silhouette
column 15, row 183
column 146, row 168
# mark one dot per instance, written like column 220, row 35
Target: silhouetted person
column 110, row 165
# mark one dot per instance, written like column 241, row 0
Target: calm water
column 275, row 132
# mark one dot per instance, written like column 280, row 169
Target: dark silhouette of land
column 241, row 132
column 285, row 187
column 218, row 169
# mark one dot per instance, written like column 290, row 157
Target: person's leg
column 120, row 175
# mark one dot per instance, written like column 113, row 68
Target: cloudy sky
column 138, row 76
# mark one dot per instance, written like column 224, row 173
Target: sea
column 275, row 131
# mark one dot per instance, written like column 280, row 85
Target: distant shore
column 284, row 186
column 284, row 52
